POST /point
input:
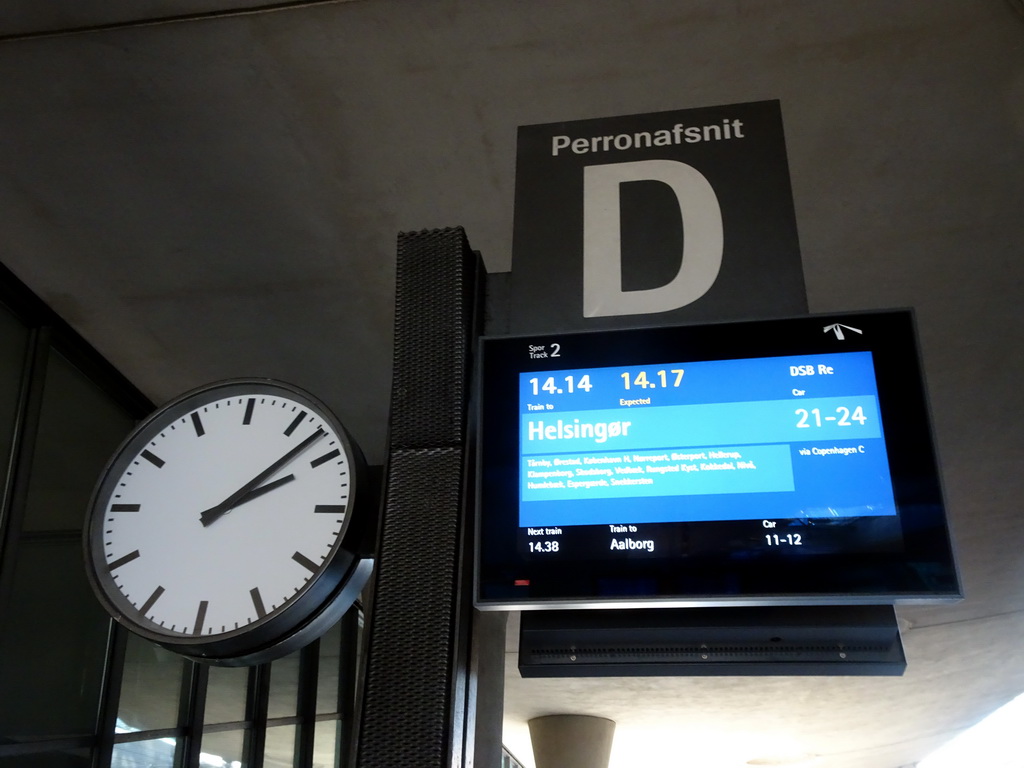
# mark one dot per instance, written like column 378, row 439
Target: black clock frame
column 317, row 606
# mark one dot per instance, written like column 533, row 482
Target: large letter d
column 700, row 260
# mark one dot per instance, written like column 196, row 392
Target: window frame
column 47, row 333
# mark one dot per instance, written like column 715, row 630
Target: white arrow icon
column 838, row 328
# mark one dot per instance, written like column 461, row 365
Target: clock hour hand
column 240, row 496
column 257, row 492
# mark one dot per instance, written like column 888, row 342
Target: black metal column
column 416, row 693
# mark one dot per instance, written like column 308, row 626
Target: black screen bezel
column 921, row 569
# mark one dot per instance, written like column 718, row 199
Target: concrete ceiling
column 219, row 196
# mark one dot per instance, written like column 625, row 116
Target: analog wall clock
column 226, row 526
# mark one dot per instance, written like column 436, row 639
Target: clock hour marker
column 325, row 458
column 295, row 423
column 198, row 424
column 153, row 459
column 305, row 562
column 152, row 599
column 200, row 618
column 257, row 601
column 247, row 419
column 123, row 560
column 125, row 507
column 330, row 509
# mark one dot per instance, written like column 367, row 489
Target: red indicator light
column 521, row 582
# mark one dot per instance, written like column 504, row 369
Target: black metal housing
column 771, row 640
column 415, row 698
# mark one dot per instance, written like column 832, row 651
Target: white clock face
column 219, row 514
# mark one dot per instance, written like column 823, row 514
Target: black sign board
column 682, row 216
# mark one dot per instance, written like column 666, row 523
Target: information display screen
column 775, row 461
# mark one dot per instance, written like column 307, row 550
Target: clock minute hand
column 214, row 513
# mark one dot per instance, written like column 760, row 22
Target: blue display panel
column 783, row 461
column 793, row 437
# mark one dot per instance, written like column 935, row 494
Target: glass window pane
column 69, row 758
column 223, row 750
column 13, row 344
column 150, row 687
column 225, row 694
column 153, row 753
column 284, row 686
column 327, row 686
column 79, row 429
column 338, row 660
column 53, row 643
column 280, row 747
column 326, row 739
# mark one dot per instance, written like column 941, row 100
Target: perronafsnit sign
column 682, row 216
